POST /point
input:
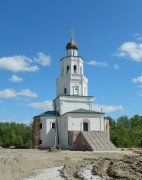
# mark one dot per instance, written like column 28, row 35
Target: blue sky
column 33, row 36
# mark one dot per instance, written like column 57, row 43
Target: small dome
column 72, row 45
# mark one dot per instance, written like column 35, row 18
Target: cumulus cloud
column 130, row 50
column 43, row 59
column 116, row 66
column 11, row 93
column 138, row 79
column 15, row 78
column 17, row 63
column 105, row 108
column 95, row 63
column 45, row 105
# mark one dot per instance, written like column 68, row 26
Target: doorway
column 85, row 126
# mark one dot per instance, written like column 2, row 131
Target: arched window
column 74, row 69
column 67, row 70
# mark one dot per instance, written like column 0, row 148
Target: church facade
column 73, row 124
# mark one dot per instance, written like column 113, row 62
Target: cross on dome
column 72, row 44
column 72, row 33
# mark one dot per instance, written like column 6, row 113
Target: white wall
column 95, row 121
column 69, row 82
column 70, row 103
column 47, row 134
column 71, row 52
column 63, row 131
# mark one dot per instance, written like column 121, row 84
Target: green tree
column 19, row 141
column 12, row 138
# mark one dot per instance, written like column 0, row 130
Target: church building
column 73, row 124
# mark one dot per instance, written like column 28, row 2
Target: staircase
column 97, row 141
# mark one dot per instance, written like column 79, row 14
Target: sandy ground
column 29, row 164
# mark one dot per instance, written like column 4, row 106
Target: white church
column 73, row 124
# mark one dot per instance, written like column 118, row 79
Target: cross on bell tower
column 72, row 33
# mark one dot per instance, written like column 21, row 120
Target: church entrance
column 85, row 126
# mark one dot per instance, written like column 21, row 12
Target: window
column 40, row 125
column 74, row 69
column 68, row 68
column 40, row 141
column 85, row 126
column 65, row 90
column 53, row 125
column 76, row 90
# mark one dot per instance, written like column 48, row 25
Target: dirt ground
column 17, row 164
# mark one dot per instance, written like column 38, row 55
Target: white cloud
column 131, row 50
column 95, row 63
column 43, row 59
column 11, row 93
column 8, row 93
column 15, row 78
column 105, row 108
column 140, row 86
column 138, row 79
column 45, row 105
column 17, row 63
column 116, row 66
column 27, row 93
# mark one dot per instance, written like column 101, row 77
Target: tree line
column 124, row 132
column 15, row 134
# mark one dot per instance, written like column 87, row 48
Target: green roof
column 85, row 111
column 48, row 113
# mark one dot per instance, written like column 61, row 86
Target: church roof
column 72, row 45
column 48, row 113
column 85, row 111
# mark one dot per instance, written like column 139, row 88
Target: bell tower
column 71, row 80
column 71, row 84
